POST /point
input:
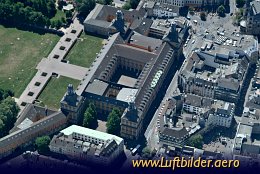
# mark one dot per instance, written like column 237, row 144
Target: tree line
column 33, row 12
column 84, row 7
column 131, row 4
column 90, row 119
column 8, row 112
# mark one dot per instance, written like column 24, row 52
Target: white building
column 223, row 115
column 179, row 3
column 196, row 104
column 81, row 143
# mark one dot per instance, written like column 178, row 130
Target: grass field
column 20, row 52
column 59, row 14
column 84, row 51
column 54, row 91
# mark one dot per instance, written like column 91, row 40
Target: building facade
column 222, row 116
column 214, row 76
column 28, row 130
column 87, row 145
column 191, row 3
column 131, row 67
column 253, row 18
column 72, row 105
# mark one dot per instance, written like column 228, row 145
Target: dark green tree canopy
column 8, row 112
column 134, row 3
column 90, row 117
column 42, row 144
column 146, row 153
column 203, row 16
column 34, row 12
column 113, row 122
column 240, row 3
column 105, row 2
column 196, row 141
column 85, row 6
column 221, row 11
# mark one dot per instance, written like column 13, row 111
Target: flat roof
column 126, row 94
column 127, row 81
column 90, row 132
column 97, row 87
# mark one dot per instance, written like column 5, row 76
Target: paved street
column 151, row 133
column 233, row 7
column 213, row 22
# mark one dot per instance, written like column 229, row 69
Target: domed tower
column 130, row 122
column 172, row 35
column 70, row 90
column 119, row 23
column 72, row 105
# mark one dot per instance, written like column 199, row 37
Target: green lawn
column 54, row 91
column 84, row 51
column 20, row 52
column 59, row 14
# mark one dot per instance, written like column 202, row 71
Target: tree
column 240, row 3
column 63, row 20
column 203, row 16
column 68, row 14
column 5, row 93
column 32, row 12
column 42, row 144
column 108, row 2
column 93, row 110
column 134, row 3
column 113, row 122
column 126, row 6
column 57, row 24
column 147, row 153
column 239, row 15
column 61, row 3
column 221, row 11
column 90, row 117
column 8, row 114
column 104, row 2
column 88, row 120
column 53, row 24
column 196, row 141
column 85, row 6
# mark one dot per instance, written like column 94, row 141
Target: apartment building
column 36, row 121
column 87, row 145
column 253, row 18
column 223, row 114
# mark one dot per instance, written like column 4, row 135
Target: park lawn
column 59, row 14
column 20, row 52
column 55, row 90
column 85, row 50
